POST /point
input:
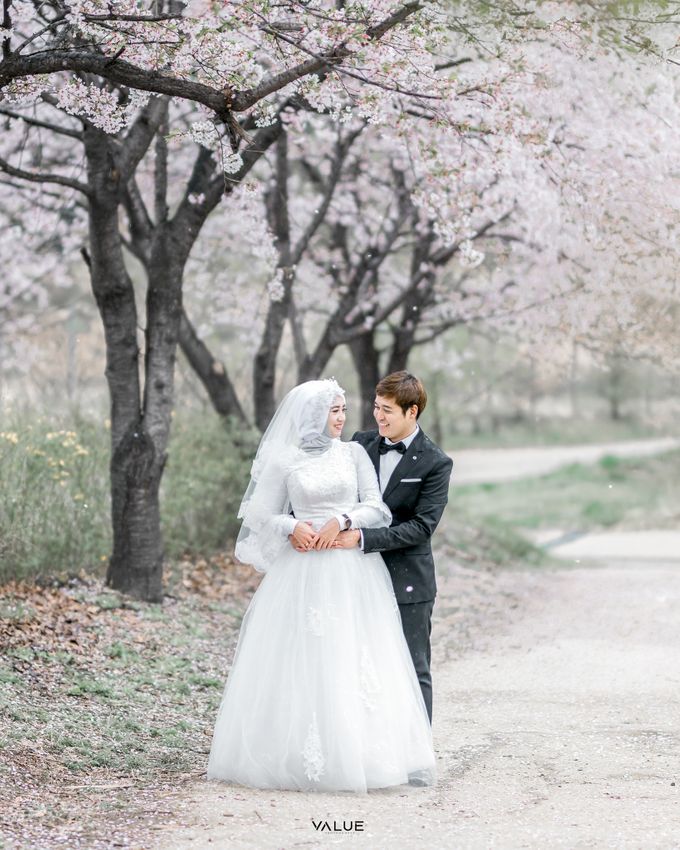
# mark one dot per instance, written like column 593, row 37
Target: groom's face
column 393, row 423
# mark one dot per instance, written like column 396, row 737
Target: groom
column 414, row 479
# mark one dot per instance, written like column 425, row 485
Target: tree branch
column 221, row 101
column 341, row 151
column 35, row 122
column 44, row 178
column 140, row 135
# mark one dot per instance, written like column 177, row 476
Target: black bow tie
column 383, row 448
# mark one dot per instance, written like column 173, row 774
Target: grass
column 555, row 432
column 55, row 503
column 487, row 543
column 623, row 492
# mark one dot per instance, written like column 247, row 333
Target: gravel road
column 557, row 725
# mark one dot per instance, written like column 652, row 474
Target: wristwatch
column 348, row 521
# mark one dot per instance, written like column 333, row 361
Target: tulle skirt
column 322, row 694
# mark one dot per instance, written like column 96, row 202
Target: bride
column 322, row 694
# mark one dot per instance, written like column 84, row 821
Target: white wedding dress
column 322, row 694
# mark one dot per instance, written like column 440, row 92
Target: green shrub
column 55, row 497
column 205, row 477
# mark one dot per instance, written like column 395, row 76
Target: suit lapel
column 407, row 464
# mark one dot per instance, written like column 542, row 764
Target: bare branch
column 140, row 135
column 35, row 122
column 342, row 149
column 44, row 178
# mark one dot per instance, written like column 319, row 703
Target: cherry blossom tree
column 441, row 182
column 374, row 229
column 500, row 230
column 612, row 125
column 242, row 60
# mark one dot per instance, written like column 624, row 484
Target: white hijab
column 299, row 423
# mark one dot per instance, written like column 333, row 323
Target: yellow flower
column 78, row 497
column 10, row 436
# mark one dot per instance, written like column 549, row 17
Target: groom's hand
column 347, row 539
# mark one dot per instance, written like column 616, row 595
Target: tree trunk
column 435, row 409
column 264, row 367
column 210, row 371
column 135, row 566
column 573, row 378
column 314, row 364
column 366, row 361
column 401, row 348
column 615, row 388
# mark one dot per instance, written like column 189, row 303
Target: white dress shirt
column 388, row 463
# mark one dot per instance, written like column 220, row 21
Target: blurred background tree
column 489, row 200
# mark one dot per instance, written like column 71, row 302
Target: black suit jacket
column 417, row 507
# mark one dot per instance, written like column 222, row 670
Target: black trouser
column 416, row 621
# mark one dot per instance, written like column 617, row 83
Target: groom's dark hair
column 405, row 389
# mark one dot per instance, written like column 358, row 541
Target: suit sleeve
column 434, row 495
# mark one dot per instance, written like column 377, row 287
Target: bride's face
column 337, row 416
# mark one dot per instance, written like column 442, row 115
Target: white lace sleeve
column 370, row 511
column 266, row 520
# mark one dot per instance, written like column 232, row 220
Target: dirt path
column 557, row 725
column 476, row 466
column 647, row 544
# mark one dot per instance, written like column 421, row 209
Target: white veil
column 298, row 424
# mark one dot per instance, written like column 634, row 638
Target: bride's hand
column 303, row 537
column 328, row 534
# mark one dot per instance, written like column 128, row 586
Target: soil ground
column 557, row 725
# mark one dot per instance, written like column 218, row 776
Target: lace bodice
column 322, row 486
column 314, row 488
